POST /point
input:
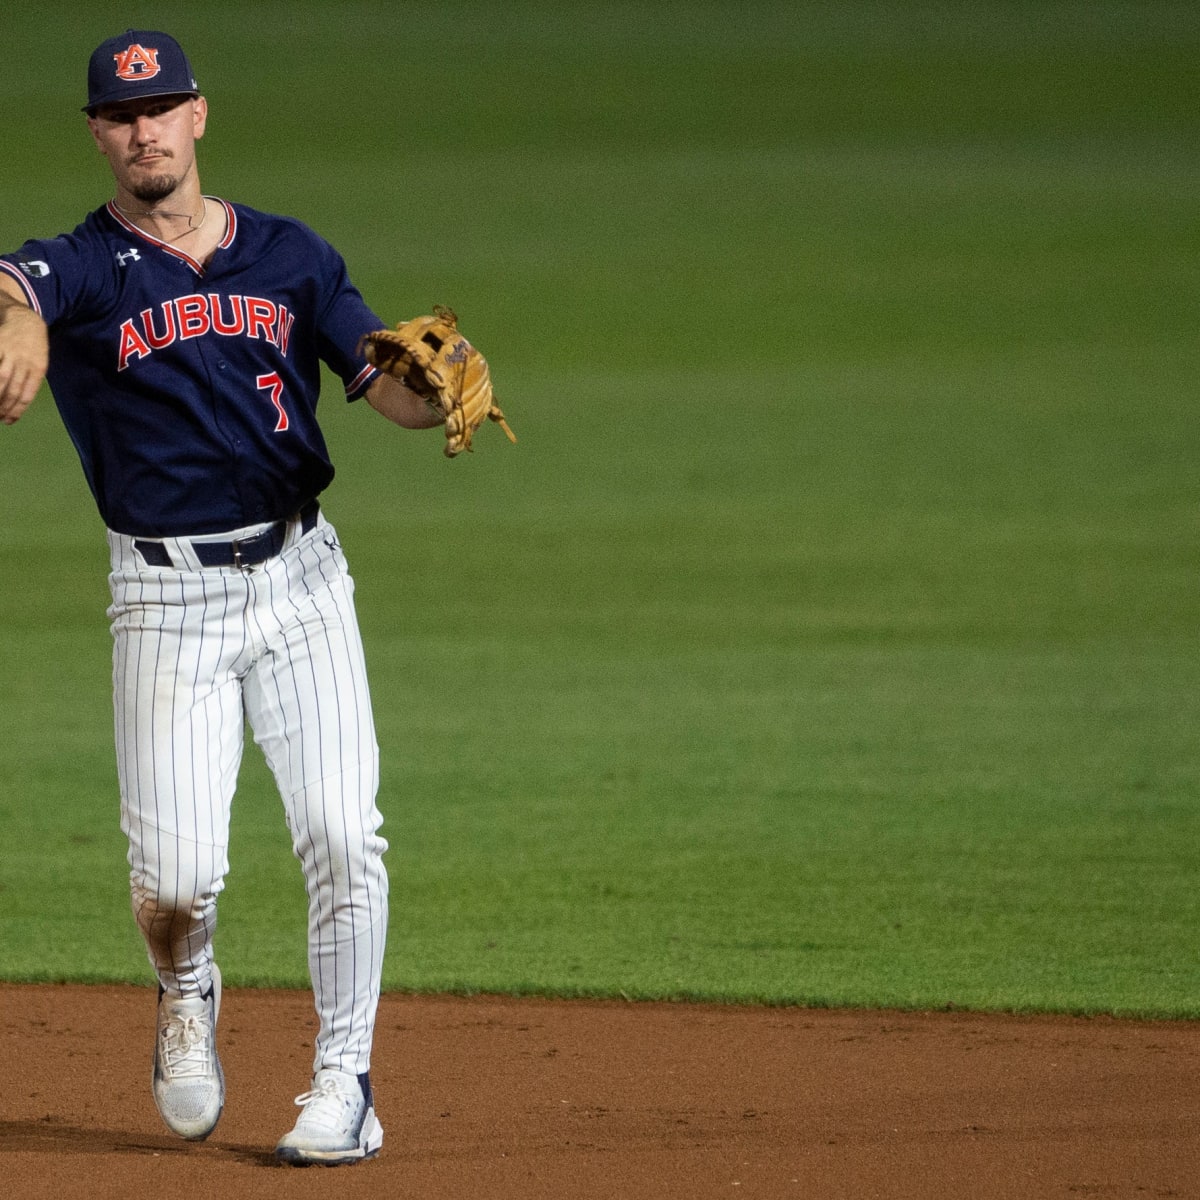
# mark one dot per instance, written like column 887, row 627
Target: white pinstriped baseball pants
column 198, row 654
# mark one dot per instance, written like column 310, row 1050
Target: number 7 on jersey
column 275, row 385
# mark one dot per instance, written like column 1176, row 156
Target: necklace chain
column 158, row 212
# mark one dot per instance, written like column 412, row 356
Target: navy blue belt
column 240, row 552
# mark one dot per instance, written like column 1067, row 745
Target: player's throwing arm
column 24, row 352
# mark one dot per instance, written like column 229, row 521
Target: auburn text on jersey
column 199, row 315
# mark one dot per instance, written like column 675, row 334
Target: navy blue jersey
column 190, row 391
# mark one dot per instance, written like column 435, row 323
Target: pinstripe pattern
column 197, row 655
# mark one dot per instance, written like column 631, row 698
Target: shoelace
column 329, row 1088
column 182, row 1038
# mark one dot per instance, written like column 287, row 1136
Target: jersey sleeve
column 344, row 320
column 58, row 276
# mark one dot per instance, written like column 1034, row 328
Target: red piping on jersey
column 227, row 240
column 360, row 379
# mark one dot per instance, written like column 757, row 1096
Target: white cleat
column 337, row 1125
column 188, row 1083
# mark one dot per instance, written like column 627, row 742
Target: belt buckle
column 253, row 545
column 249, row 543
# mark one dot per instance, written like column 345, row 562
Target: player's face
column 150, row 143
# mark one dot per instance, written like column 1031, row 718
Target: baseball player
column 181, row 336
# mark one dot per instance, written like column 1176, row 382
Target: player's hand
column 24, row 356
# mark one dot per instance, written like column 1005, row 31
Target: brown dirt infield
column 494, row 1098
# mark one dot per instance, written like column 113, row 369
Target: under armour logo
column 130, row 255
column 34, row 267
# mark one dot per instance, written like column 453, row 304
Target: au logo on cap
column 136, row 62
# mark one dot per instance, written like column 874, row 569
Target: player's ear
column 93, row 129
column 199, row 116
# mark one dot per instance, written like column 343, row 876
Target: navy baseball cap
column 138, row 63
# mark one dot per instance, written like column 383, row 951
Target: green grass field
column 830, row 636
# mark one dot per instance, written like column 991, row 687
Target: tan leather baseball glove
column 429, row 355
